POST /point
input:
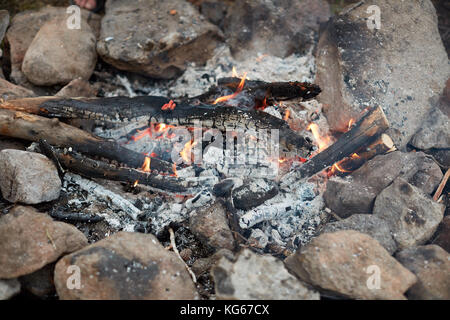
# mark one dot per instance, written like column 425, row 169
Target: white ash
column 288, row 217
column 197, row 79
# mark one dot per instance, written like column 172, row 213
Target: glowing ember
column 350, row 123
column 171, row 105
column 135, row 183
column 238, row 90
column 174, row 169
column 322, row 141
column 146, row 165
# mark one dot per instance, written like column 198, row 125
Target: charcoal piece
column 254, row 193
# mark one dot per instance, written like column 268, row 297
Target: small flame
column 322, row 141
column 186, row 152
column 146, row 165
column 135, row 183
column 231, row 96
column 234, row 73
column 350, row 123
column 287, row 114
column 174, row 169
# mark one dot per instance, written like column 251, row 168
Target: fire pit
column 193, row 162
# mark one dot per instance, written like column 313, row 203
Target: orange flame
column 287, row 114
column 187, row 150
column 322, row 141
column 231, row 96
column 146, row 165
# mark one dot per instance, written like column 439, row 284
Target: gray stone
column 4, row 23
column 431, row 265
column 58, row 55
column 345, row 263
column 154, row 42
column 210, row 225
column 412, row 216
column 77, row 88
column 434, row 133
column 30, row 240
column 257, row 277
column 28, row 177
column 9, row 288
column 369, row 224
column 274, row 27
column 442, row 238
column 125, row 266
column 390, row 66
column 24, row 27
column 356, row 193
column 203, row 265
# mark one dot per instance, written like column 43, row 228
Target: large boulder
column 124, row 266
column 28, row 177
column 401, row 65
column 347, row 263
column 24, row 27
column 412, row 216
column 29, row 240
column 157, row 39
column 275, row 27
column 58, row 54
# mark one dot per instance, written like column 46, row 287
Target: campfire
column 225, row 154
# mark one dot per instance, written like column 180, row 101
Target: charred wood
column 31, row 127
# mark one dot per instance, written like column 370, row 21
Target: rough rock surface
column 274, row 27
column 24, row 27
column 157, row 39
column 4, row 23
column 125, row 266
column 58, row 55
column 77, row 88
column 30, row 240
column 405, row 47
column 412, row 216
column 28, row 177
column 431, row 265
column 9, row 91
column 203, row 265
column 210, row 225
column 434, row 133
column 40, row 283
column 443, row 234
column 346, row 263
column 356, row 193
column 9, row 288
column 254, row 193
column 369, row 224
column 257, row 277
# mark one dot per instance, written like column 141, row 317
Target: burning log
column 366, row 132
column 382, row 145
column 30, row 127
column 261, row 90
column 99, row 169
column 148, row 109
